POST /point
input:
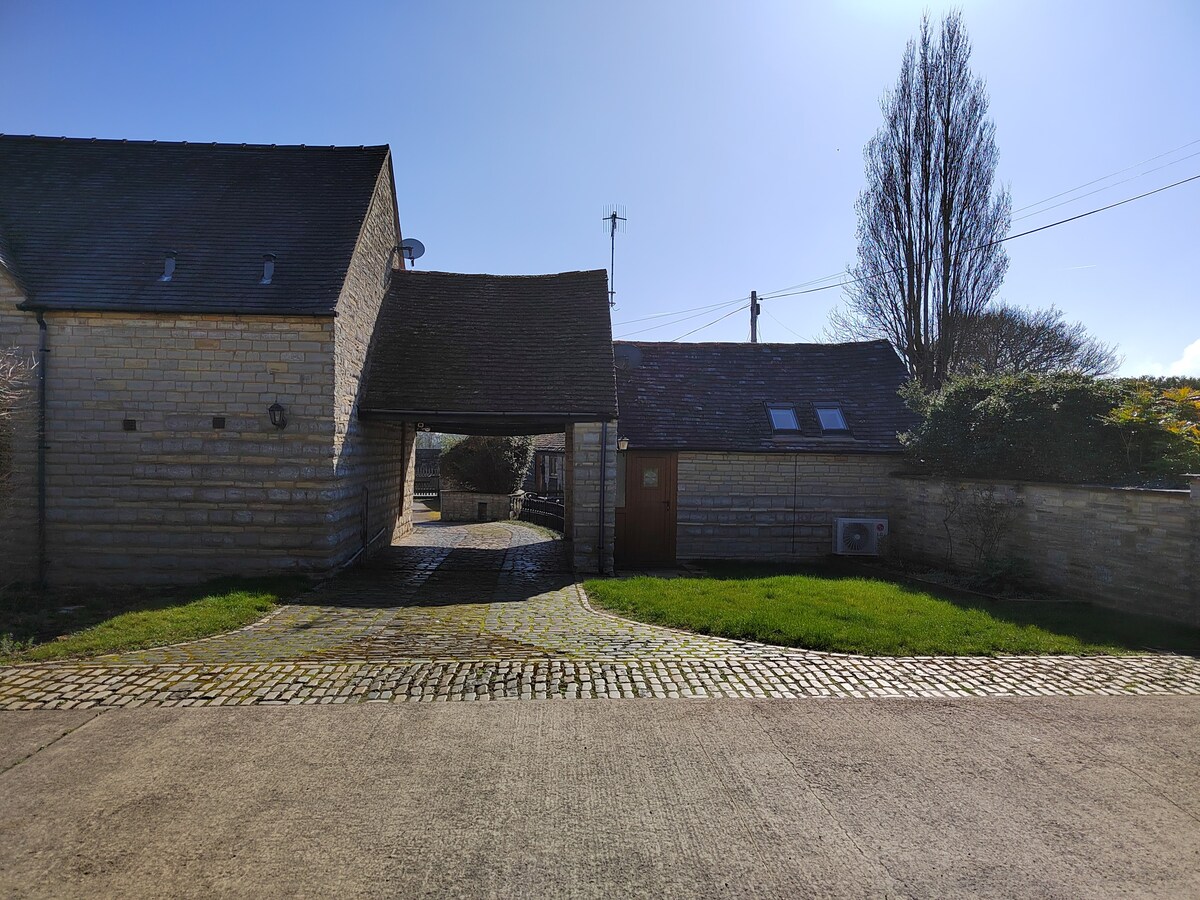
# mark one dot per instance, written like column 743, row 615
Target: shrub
column 1025, row 427
column 1060, row 427
column 491, row 465
column 1160, row 430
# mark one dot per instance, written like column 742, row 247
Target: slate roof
column 713, row 396
column 87, row 223
column 550, row 443
column 492, row 354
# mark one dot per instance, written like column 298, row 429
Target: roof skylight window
column 783, row 417
column 831, row 418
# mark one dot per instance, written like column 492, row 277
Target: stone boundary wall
column 774, row 506
column 1133, row 550
column 463, row 506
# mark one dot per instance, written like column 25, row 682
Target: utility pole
column 755, row 309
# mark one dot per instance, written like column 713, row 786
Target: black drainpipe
column 43, row 354
column 603, row 494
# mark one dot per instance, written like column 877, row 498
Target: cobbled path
column 487, row 612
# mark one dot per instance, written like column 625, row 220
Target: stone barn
column 752, row 451
column 232, row 361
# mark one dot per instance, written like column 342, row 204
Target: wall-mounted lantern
column 622, row 443
column 278, row 416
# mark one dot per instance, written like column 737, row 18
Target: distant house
column 546, row 474
column 233, row 362
column 751, row 451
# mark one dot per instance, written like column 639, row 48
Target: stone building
column 224, row 334
column 751, row 451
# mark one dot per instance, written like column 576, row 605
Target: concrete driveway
column 1046, row 797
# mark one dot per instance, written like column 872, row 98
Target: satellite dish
column 412, row 249
column 626, row 356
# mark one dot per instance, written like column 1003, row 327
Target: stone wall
column 591, row 546
column 373, row 461
column 178, row 498
column 473, row 506
column 1135, row 550
column 18, row 495
column 774, row 506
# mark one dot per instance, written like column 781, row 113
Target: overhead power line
column 713, row 322
column 1092, row 212
column 782, row 325
column 697, row 315
column 804, row 287
column 1107, row 187
column 663, row 315
column 1111, row 175
column 1011, row 237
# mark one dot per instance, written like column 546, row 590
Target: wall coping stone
column 1181, row 493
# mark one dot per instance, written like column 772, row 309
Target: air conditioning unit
column 858, row 537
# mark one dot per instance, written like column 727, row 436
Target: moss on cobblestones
column 491, row 611
column 869, row 616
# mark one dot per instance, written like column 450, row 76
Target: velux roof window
column 829, row 415
column 783, row 417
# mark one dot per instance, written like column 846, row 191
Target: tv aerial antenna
column 614, row 219
column 412, row 250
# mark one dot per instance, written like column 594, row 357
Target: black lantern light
column 278, row 416
column 622, row 443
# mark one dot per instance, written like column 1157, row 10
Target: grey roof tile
column 494, row 344
column 713, row 396
column 88, row 222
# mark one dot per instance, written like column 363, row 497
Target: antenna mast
column 615, row 217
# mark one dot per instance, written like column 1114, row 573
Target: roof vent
column 268, row 268
column 168, row 266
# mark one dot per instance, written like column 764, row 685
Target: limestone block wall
column 1135, row 550
column 178, row 498
column 466, row 506
column 18, row 495
column 373, row 462
column 591, row 545
column 774, row 506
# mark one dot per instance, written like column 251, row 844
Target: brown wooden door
column 649, row 513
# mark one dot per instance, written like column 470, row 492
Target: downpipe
column 603, row 495
column 43, row 358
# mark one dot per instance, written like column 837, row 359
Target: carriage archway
column 507, row 355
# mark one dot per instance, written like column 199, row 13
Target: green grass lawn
column 830, row 611
column 88, row 623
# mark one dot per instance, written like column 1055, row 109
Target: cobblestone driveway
column 482, row 612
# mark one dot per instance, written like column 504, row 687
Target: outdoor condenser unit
column 858, row 537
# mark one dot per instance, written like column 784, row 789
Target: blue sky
column 732, row 134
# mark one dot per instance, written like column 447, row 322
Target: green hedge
column 491, row 465
column 1061, row 427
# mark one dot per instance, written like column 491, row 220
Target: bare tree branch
column 928, row 219
column 1007, row 340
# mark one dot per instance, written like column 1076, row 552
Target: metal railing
column 426, row 486
column 544, row 511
